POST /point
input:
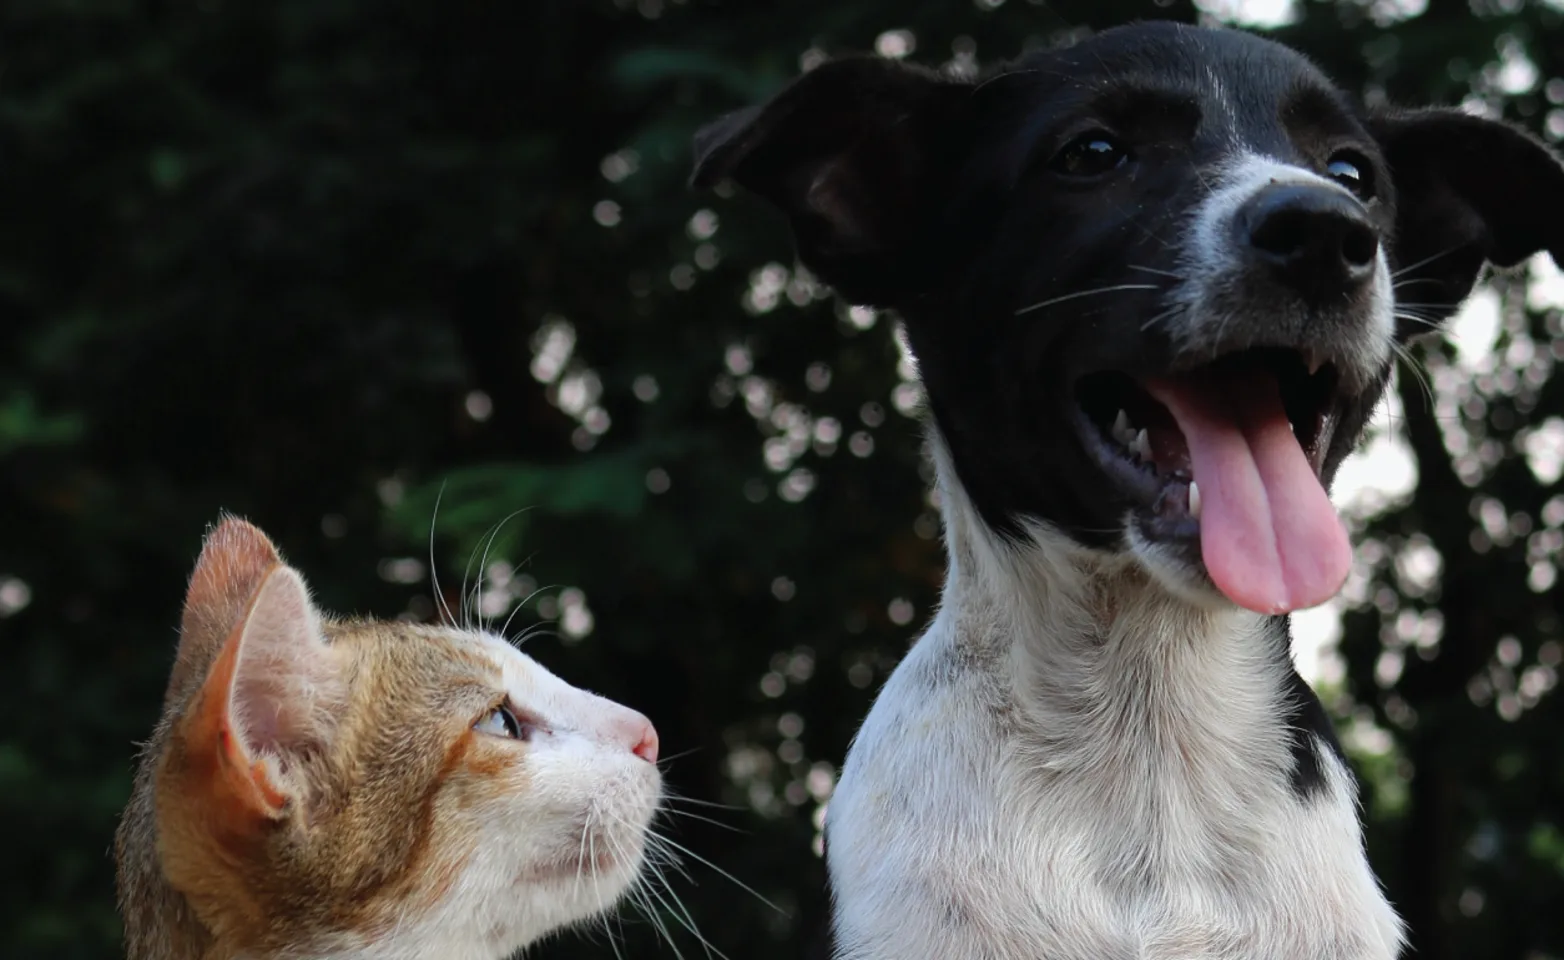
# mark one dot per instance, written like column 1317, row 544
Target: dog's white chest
column 957, row 833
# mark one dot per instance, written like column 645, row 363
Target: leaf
column 22, row 424
column 473, row 501
column 649, row 66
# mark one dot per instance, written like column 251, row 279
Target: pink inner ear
column 273, row 693
column 830, row 196
column 262, row 729
column 287, row 690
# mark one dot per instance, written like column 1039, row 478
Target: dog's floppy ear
column 858, row 153
column 1468, row 190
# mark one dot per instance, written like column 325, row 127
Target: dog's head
column 1154, row 282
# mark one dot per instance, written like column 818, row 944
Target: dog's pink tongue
column 1271, row 539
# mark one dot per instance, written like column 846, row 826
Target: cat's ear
column 1469, row 190
column 235, row 558
column 859, row 154
column 271, row 697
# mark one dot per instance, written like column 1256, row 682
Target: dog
column 1151, row 285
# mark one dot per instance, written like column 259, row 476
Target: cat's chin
column 573, row 894
column 600, row 862
column 610, row 872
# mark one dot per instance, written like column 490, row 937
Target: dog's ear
column 858, row 154
column 1468, row 190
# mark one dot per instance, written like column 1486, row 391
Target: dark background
column 310, row 260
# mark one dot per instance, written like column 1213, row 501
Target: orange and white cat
column 362, row 790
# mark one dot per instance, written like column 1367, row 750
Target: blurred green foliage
column 317, row 261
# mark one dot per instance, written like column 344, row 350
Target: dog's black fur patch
column 1308, row 726
column 933, row 196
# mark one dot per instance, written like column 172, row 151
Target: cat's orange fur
column 337, row 788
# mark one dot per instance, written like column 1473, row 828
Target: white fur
column 1074, row 764
column 1363, row 348
column 586, row 794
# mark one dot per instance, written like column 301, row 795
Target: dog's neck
column 1083, row 640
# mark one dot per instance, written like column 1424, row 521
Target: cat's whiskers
column 680, row 914
column 663, row 858
column 708, row 820
column 613, row 941
column 709, row 804
column 662, row 762
column 442, row 605
column 670, row 798
column 575, row 889
column 686, row 851
column 641, row 893
column 474, row 603
column 527, row 634
column 541, row 629
column 597, row 879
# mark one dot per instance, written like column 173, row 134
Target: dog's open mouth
column 1232, row 453
column 1148, row 448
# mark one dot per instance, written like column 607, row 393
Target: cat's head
column 354, row 788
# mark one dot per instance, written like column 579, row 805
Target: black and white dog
column 1151, row 283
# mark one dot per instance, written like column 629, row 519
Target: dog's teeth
column 1121, row 427
column 1141, row 446
column 1194, row 499
column 1314, row 362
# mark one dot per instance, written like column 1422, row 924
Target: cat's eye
column 1090, row 155
column 1353, row 172
column 503, row 722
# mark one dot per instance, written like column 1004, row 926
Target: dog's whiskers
column 1421, row 306
column 1086, row 293
column 1160, row 273
column 1423, row 262
column 1397, row 285
column 1167, row 314
column 1414, row 367
column 1414, row 318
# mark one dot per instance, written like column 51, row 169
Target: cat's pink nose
column 638, row 733
column 646, row 749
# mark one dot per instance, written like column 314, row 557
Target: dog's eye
column 1352, row 172
column 1089, row 155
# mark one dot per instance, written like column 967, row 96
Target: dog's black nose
column 1316, row 239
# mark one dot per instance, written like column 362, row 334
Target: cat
column 367, row 790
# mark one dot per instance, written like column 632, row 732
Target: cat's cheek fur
column 555, row 825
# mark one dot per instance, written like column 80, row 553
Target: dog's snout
column 1315, row 239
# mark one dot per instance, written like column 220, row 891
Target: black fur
column 1308, row 726
column 915, row 191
